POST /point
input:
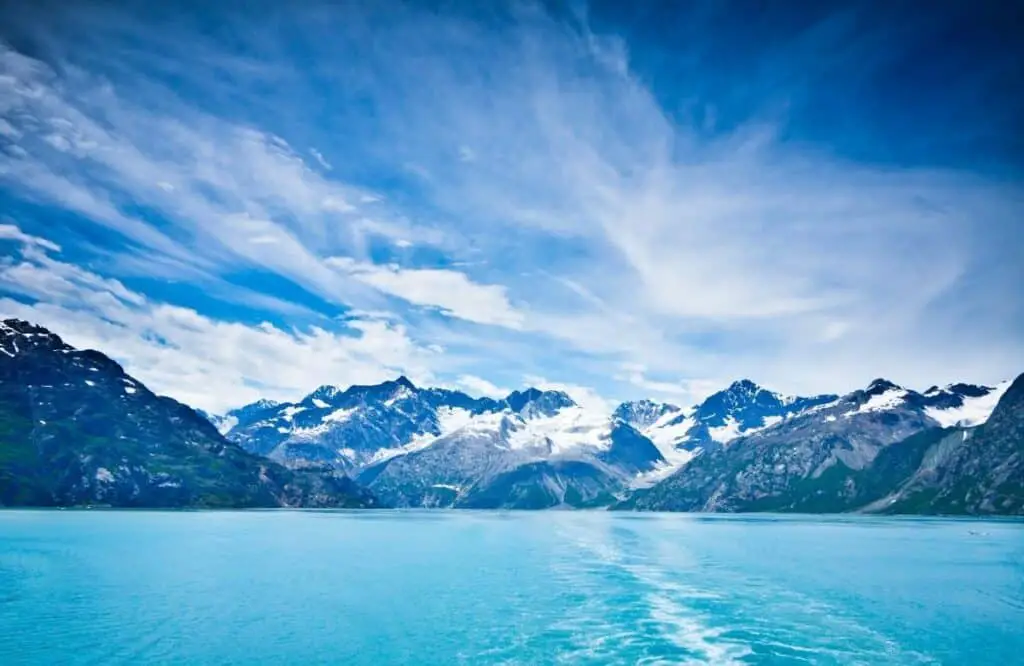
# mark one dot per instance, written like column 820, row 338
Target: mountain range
column 75, row 429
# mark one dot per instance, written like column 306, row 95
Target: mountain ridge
column 824, row 459
column 75, row 429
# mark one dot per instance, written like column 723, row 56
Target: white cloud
column 478, row 386
column 11, row 232
column 584, row 396
column 320, row 158
column 686, row 391
column 450, row 291
column 201, row 361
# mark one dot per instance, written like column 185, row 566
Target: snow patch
column 883, row 401
column 973, row 411
column 675, row 459
column 290, row 411
column 400, row 394
column 726, row 433
column 317, row 402
column 130, row 389
column 339, row 415
column 226, row 424
column 90, row 382
column 450, row 419
column 570, row 429
column 666, row 433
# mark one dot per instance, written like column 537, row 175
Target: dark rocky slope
column 76, row 430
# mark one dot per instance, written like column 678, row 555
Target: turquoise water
column 505, row 588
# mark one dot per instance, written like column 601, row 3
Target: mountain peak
column 406, row 382
column 18, row 331
column 969, row 390
column 262, row 403
column 881, row 385
column 20, row 326
column 642, row 413
column 325, row 392
column 744, row 386
column 547, row 402
column 11, row 327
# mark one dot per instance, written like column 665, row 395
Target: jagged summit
column 970, row 390
column 643, row 413
column 325, row 392
column 406, row 382
column 22, row 326
column 744, row 386
column 262, row 403
column 536, row 401
column 17, row 335
column 881, row 385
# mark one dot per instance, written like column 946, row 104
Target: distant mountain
column 515, row 461
column 240, row 417
column 739, row 409
column 436, row 447
column 842, row 455
column 76, row 430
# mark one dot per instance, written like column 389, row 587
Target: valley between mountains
column 76, row 430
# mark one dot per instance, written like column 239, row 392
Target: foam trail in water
column 663, row 602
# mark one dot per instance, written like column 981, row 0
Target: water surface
column 424, row 588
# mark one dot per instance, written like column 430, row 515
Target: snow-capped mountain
column 428, row 446
column 357, row 426
column 518, row 460
column 739, row 409
column 452, row 441
column 781, row 466
column 241, row 416
column 680, row 433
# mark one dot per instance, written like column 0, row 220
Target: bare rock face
column 975, row 472
column 883, row 448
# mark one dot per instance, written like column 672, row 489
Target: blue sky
column 240, row 203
